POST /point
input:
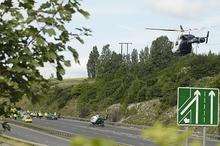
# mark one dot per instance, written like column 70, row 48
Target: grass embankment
column 55, row 96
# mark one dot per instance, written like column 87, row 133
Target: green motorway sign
column 198, row 106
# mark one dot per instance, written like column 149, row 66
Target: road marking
column 195, row 99
column 186, row 108
column 204, row 108
column 211, row 94
column 211, row 120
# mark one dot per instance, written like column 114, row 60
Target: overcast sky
column 114, row 21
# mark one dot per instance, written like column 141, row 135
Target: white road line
column 197, row 109
column 204, row 108
column 211, row 111
column 184, row 110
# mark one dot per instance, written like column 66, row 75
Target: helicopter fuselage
column 183, row 45
column 185, row 41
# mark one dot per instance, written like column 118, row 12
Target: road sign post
column 204, row 136
column 198, row 107
column 187, row 139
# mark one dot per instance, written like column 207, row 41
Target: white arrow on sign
column 211, row 94
column 195, row 99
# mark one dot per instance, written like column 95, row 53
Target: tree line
column 154, row 72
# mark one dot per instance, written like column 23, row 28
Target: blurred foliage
column 158, row 134
column 34, row 33
column 81, row 141
column 166, row 136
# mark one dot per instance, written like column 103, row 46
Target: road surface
column 130, row 136
column 118, row 134
column 36, row 136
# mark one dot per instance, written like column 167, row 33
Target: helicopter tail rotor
column 181, row 28
column 207, row 37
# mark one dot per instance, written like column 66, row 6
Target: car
column 97, row 121
column 40, row 115
column 6, row 127
column 33, row 114
column 27, row 119
column 51, row 117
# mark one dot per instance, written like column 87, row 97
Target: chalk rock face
column 114, row 113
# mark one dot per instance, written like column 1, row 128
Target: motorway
column 130, row 136
column 118, row 134
column 36, row 136
column 124, row 135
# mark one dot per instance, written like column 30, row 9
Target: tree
column 144, row 55
column 127, row 59
column 115, row 62
column 106, row 53
column 104, row 67
column 160, row 52
column 33, row 33
column 93, row 62
column 134, row 56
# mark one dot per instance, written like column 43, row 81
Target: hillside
column 117, row 82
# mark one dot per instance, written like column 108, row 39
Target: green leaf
column 84, row 13
column 49, row 21
column 79, row 39
column 60, row 70
column 45, row 5
column 74, row 53
column 51, row 55
column 79, row 29
column 40, row 40
column 64, row 37
column 32, row 30
column 27, row 4
column 67, row 63
column 50, row 31
column 61, row 27
column 7, row 3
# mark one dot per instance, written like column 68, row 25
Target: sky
column 115, row 21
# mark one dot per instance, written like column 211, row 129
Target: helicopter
column 185, row 41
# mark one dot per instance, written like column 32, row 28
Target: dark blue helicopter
column 183, row 45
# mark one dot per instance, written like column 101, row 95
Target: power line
column 127, row 45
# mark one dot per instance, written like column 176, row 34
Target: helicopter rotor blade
column 161, row 29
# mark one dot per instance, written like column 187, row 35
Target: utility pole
column 122, row 44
